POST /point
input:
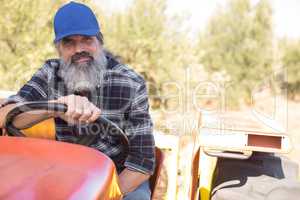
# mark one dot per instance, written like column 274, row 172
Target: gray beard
column 85, row 76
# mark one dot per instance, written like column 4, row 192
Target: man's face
column 83, row 62
column 71, row 49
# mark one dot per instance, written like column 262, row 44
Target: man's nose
column 79, row 47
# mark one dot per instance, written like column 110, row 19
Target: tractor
column 242, row 164
column 35, row 166
column 227, row 164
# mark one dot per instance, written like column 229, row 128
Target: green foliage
column 236, row 44
column 290, row 50
column 142, row 37
column 238, row 40
column 25, row 40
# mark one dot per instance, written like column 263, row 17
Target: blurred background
column 227, row 59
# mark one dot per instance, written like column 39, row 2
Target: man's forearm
column 129, row 180
column 25, row 119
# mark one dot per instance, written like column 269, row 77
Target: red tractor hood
column 43, row 169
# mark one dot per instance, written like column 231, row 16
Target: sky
column 286, row 13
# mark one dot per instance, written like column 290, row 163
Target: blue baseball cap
column 75, row 19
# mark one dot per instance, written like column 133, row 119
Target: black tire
column 264, row 176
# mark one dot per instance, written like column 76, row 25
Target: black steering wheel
column 107, row 125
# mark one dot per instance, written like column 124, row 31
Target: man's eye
column 88, row 40
column 67, row 42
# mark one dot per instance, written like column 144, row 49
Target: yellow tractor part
column 207, row 166
column 44, row 129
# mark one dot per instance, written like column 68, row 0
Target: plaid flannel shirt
column 122, row 98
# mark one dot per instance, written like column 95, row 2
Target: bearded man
column 92, row 83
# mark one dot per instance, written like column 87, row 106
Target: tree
column 142, row 37
column 290, row 50
column 238, row 40
column 25, row 40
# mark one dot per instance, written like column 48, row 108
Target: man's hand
column 80, row 109
column 129, row 180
